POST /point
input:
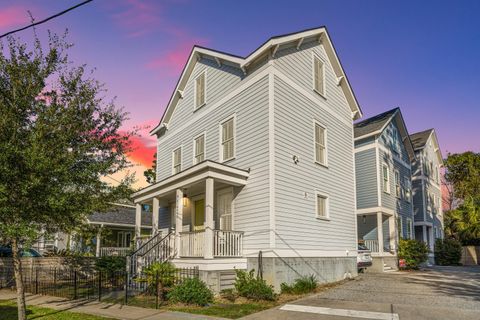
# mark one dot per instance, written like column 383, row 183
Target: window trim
column 410, row 226
column 327, row 205
column 220, row 155
column 195, row 107
column 173, row 159
column 408, row 189
column 400, row 226
column 398, row 184
column 387, row 189
column 325, row 135
column 324, row 94
column 204, row 134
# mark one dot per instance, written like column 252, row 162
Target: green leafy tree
column 159, row 276
column 58, row 137
column 151, row 174
column 463, row 223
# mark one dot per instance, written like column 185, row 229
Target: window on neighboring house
column 429, row 202
column 400, row 226
column 386, row 178
column 409, row 228
column 395, row 140
column 228, row 139
column 200, row 91
column 177, row 160
column 437, row 177
column 318, row 75
column 397, row 184
column 199, row 148
column 430, row 168
column 408, row 189
column 322, row 206
column 320, row 144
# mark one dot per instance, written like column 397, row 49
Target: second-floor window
column 408, row 189
column 177, row 160
column 386, row 178
column 318, row 75
column 200, row 91
column 397, row 184
column 320, row 145
column 199, row 149
column 228, row 139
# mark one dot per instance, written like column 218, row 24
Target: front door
column 199, row 215
column 224, row 205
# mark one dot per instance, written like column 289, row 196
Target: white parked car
column 364, row 257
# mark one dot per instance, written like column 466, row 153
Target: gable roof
column 243, row 62
column 375, row 125
column 120, row 215
column 420, row 139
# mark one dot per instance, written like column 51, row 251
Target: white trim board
column 374, row 210
column 271, row 157
column 341, row 312
column 301, row 253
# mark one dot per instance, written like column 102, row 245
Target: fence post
column 36, row 280
column 75, row 285
column 99, row 285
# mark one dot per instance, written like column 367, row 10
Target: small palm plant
column 159, row 276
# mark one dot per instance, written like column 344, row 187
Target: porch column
column 208, row 254
column 394, row 233
column 178, row 220
column 98, row 246
column 424, row 233
column 138, row 223
column 380, row 232
column 155, row 213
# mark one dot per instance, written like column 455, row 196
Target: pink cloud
column 13, row 16
column 172, row 61
column 143, row 145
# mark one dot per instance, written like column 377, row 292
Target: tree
column 150, row 174
column 462, row 171
column 58, row 137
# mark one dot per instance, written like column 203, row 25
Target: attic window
column 200, row 91
column 318, row 75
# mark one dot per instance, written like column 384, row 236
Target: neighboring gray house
column 427, row 193
column 383, row 154
column 255, row 158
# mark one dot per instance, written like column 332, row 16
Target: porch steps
column 387, row 268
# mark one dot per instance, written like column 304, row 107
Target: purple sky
column 422, row 56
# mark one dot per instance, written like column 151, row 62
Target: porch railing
column 192, row 243
column 372, row 245
column 114, row 251
column 227, row 243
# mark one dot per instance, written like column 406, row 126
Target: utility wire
column 46, row 19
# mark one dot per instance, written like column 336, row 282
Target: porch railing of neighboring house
column 192, row 243
column 372, row 245
column 227, row 243
column 114, row 251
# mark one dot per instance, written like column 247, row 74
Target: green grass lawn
column 8, row 311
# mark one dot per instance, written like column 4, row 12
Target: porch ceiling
column 191, row 176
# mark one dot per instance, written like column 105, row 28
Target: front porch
column 376, row 231
column 196, row 208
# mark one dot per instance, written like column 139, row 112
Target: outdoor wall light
column 185, row 199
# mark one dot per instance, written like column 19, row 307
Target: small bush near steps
column 191, row 291
column 413, row 252
column 253, row 288
column 448, row 252
column 302, row 285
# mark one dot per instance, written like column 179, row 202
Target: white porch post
column 98, row 245
column 380, row 232
column 208, row 254
column 432, row 239
column 394, row 233
column 424, row 233
column 155, row 213
column 178, row 220
column 138, row 223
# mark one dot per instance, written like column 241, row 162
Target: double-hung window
column 318, row 75
column 322, row 206
column 398, row 191
column 200, row 91
column 228, row 139
column 386, row 178
column 320, row 144
column 177, row 160
column 199, row 149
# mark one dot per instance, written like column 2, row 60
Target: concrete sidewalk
column 115, row 311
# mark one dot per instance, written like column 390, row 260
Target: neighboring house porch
column 377, row 232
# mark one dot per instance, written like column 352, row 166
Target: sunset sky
column 422, row 56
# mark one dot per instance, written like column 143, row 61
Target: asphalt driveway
column 436, row 293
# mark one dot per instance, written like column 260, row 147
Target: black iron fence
column 112, row 286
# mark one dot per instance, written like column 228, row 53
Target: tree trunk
column 17, row 266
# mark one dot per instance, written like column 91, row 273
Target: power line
column 46, row 19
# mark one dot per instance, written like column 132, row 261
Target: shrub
column 110, row 264
column 413, row 252
column 229, row 294
column 253, row 288
column 448, row 252
column 159, row 276
column 302, row 285
column 191, row 291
